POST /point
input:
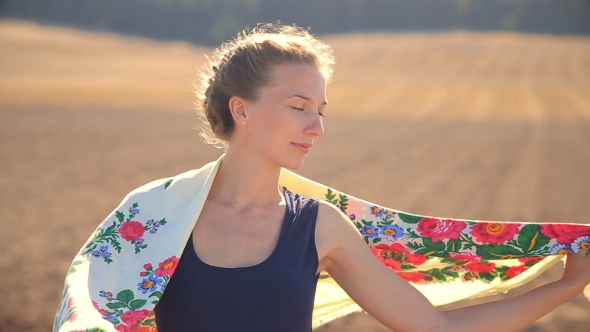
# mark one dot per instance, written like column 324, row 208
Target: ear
column 237, row 109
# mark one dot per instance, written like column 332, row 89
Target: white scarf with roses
column 121, row 272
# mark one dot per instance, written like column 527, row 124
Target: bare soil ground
column 480, row 126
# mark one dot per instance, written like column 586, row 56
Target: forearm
column 511, row 314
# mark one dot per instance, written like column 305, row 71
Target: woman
column 264, row 98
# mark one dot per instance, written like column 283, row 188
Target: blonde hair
column 242, row 67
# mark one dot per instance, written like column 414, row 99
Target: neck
column 244, row 182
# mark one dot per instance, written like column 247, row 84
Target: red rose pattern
column 122, row 328
column 167, row 267
column 515, row 270
column 135, row 317
column 440, row 229
column 131, row 230
column 412, row 276
column 415, row 259
column 479, row 267
column 393, row 256
column 464, row 256
column 494, row 233
column 383, row 250
column 529, row 259
column 388, row 262
column 393, row 265
column 564, row 234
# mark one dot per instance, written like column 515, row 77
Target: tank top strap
column 298, row 239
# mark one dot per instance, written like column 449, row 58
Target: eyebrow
column 306, row 98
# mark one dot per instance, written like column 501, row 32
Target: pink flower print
column 412, row 276
column 529, row 259
column 494, row 233
column 381, row 252
column 440, row 229
column 515, row 270
column 73, row 316
column 131, row 230
column 167, row 267
column 134, row 317
column 464, row 256
column 122, row 328
column 564, row 234
column 391, row 250
column 479, row 267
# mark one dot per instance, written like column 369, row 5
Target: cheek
column 279, row 125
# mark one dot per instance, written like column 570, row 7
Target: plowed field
column 491, row 126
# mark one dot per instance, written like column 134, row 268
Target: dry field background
column 492, row 126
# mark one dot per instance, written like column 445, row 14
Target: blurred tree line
column 211, row 21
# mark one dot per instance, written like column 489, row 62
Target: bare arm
column 400, row 307
column 515, row 313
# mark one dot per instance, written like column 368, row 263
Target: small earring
column 243, row 122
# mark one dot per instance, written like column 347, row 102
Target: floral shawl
column 120, row 273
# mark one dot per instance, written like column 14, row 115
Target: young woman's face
column 286, row 120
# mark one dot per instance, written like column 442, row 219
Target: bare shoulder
column 331, row 218
column 345, row 255
column 334, row 230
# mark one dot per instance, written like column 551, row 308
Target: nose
column 316, row 126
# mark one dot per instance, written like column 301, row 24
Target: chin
column 293, row 163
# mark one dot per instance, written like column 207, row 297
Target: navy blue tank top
column 274, row 295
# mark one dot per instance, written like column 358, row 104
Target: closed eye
column 302, row 109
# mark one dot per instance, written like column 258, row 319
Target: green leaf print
column 331, row 197
column 412, row 234
column 424, row 251
column 414, row 246
column 136, row 304
column 438, row 246
column 498, row 252
column 73, row 266
column 125, row 296
column 531, row 239
column 437, row 274
column 454, row 245
column 343, row 204
column 167, row 184
column 500, row 272
column 157, row 294
column 409, row 218
column 487, row 276
column 116, row 305
column 120, row 216
column 450, row 273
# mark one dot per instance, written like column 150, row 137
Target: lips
column 303, row 147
